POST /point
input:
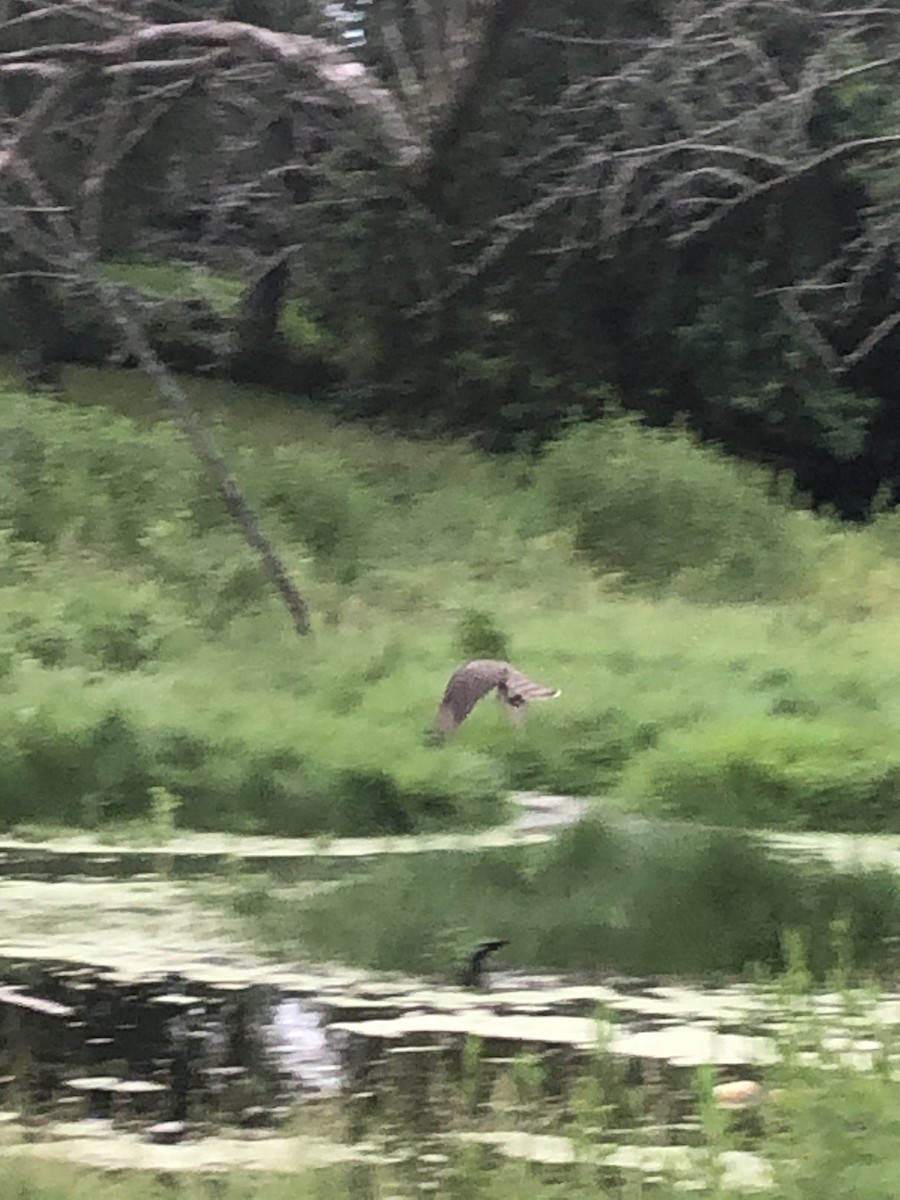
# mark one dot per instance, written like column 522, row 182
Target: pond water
column 228, row 1062
column 99, row 1065
column 136, row 1031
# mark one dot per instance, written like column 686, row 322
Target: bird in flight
column 469, row 683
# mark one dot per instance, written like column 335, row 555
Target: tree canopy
column 481, row 216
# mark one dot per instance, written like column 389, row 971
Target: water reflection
column 73, row 1037
column 296, row 1037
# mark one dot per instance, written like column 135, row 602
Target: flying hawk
column 469, row 683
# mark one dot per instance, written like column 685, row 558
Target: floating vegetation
column 109, row 1149
column 734, row 1169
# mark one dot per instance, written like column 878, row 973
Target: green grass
column 22, row 1179
column 141, row 648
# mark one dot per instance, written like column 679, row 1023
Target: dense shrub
column 658, row 507
column 321, row 504
column 771, row 771
column 92, row 505
column 191, row 326
column 479, row 636
column 188, row 335
column 586, row 755
column 70, row 470
column 125, row 490
column 125, row 589
column 63, row 766
column 74, row 757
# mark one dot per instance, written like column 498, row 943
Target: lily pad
column 694, row 1046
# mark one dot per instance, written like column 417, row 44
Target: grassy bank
column 722, row 655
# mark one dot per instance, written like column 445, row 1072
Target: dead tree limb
column 335, row 70
column 65, row 250
column 200, row 442
column 459, row 71
column 459, row 115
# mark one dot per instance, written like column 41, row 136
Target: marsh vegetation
column 510, row 1093
column 735, row 671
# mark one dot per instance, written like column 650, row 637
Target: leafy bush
column 124, row 642
column 247, row 762
column 64, row 469
column 479, row 636
column 585, row 756
column 188, row 335
column 770, row 771
column 124, row 588
column 62, row 765
column 858, row 570
column 322, row 506
column 658, row 507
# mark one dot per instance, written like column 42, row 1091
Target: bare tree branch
column 58, row 244
column 705, row 119
column 845, row 150
column 334, row 68
column 461, row 112
column 421, row 128
column 870, row 341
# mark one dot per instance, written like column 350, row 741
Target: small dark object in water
column 472, row 974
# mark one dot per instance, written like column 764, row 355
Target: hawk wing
column 469, row 683
column 520, row 689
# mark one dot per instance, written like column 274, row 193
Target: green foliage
column 139, row 764
column 176, row 279
column 164, row 808
column 68, row 471
column 24, row 1178
column 826, row 1133
column 479, row 636
column 659, row 508
column 638, row 898
column 535, row 334
column 188, row 335
column 192, row 318
column 125, row 590
column 321, row 504
column 838, row 1131
column 778, row 771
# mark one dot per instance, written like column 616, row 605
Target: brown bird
column 469, row 683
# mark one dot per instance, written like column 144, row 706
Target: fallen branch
column 61, row 245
